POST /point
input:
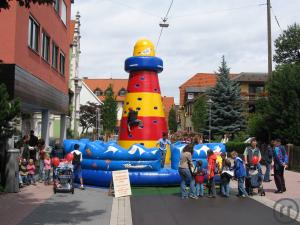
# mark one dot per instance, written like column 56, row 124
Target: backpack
column 284, row 154
column 251, row 153
column 76, row 159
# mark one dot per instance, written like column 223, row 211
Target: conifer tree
column 226, row 109
column 172, row 120
column 199, row 114
column 109, row 111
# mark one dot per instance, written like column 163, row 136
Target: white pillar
column 63, row 130
column 45, row 126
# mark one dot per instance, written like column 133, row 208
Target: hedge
column 239, row 147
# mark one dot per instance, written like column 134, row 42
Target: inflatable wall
column 143, row 164
column 143, row 96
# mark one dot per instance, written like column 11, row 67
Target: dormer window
column 98, row 92
column 122, row 92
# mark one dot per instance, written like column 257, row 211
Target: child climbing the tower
column 132, row 120
column 162, row 143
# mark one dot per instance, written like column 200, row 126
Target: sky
column 200, row 32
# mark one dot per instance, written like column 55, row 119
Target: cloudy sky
column 200, row 32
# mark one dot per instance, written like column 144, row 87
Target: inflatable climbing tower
column 143, row 95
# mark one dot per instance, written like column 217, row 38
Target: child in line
column 47, row 168
column 199, row 179
column 226, row 175
column 23, row 172
column 31, row 172
column 211, row 169
column 239, row 173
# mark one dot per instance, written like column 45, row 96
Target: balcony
column 246, row 96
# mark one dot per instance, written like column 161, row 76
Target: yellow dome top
column 143, row 47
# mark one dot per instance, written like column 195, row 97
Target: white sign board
column 121, row 183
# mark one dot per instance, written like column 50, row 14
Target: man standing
column 249, row 153
column 77, row 159
column 33, row 142
column 280, row 163
column 162, row 143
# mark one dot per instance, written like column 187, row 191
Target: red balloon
column 254, row 160
column 69, row 157
column 55, row 161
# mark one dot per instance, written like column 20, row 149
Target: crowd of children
column 199, row 174
column 35, row 161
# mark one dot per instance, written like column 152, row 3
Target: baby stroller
column 255, row 180
column 63, row 178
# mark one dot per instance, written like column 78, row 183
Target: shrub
column 239, row 147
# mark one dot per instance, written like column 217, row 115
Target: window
column 63, row 12
column 46, row 47
column 122, row 92
column 62, row 63
column 108, row 91
column 56, row 5
column 33, row 34
column 54, row 55
column 256, row 89
column 190, row 96
column 98, row 92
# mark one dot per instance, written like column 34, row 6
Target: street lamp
column 210, row 102
column 78, row 86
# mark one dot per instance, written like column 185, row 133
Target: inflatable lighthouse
column 143, row 97
column 136, row 149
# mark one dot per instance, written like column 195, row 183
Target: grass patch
column 144, row 191
column 156, row 191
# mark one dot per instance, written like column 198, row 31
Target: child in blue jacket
column 239, row 173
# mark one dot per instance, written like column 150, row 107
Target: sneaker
column 243, row 196
column 211, row 196
column 278, row 192
column 193, row 197
column 81, row 187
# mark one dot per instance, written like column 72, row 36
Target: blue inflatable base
column 161, row 178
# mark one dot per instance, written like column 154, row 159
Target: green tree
column 226, row 109
column 258, row 122
column 9, row 110
column 199, row 114
column 87, row 116
column 109, row 111
column 172, row 122
column 283, row 108
column 287, row 46
column 4, row 4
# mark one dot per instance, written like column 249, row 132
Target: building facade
column 75, row 82
column 35, row 61
column 252, row 88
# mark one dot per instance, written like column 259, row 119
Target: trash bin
column 12, row 171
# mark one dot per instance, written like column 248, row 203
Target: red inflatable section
column 157, row 124
column 143, row 81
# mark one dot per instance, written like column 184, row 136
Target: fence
column 294, row 157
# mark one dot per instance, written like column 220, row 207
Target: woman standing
column 185, row 172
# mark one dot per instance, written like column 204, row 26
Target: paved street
column 91, row 206
column 36, row 205
column 167, row 210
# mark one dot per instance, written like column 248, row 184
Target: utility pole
column 269, row 38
